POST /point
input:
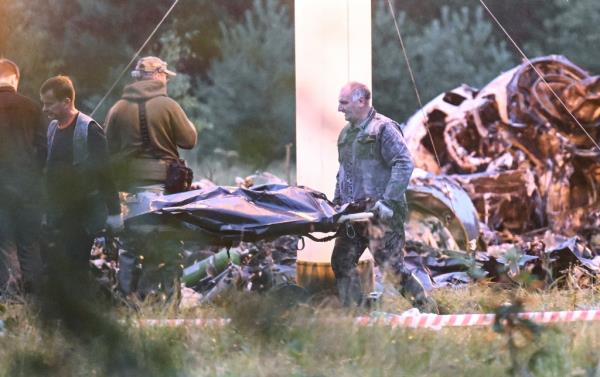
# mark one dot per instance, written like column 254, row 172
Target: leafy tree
column 522, row 19
column 25, row 39
column 457, row 48
column 235, row 58
column 393, row 92
column 97, row 48
column 250, row 88
column 88, row 40
column 199, row 21
column 573, row 32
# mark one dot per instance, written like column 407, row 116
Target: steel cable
column 134, row 57
column 537, row 72
column 415, row 87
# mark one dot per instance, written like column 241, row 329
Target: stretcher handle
column 361, row 216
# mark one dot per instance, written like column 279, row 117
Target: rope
column 134, row 58
column 415, row 87
column 324, row 239
column 538, row 73
column 414, row 82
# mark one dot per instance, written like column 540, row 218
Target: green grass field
column 314, row 339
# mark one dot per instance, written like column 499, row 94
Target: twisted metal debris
column 516, row 150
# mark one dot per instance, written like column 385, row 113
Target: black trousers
column 20, row 230
column 71, row 243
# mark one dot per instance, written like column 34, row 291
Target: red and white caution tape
column 434, row 321
column 195, row 322
column 408, row 319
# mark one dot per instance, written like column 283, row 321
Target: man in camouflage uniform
column 375, row 166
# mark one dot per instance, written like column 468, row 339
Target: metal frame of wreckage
column 516, row 146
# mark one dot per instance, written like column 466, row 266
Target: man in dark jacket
column 82, row 198
column 22, row 158
column 375, row 166
column 134, row 163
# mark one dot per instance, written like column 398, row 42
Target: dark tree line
column 236, row 57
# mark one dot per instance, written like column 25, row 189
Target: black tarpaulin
column 224, row 215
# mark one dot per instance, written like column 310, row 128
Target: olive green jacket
column 168, row 128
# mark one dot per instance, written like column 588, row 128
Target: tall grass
column 310, row 339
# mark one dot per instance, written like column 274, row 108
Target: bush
column 250, row 90
column 457, row 48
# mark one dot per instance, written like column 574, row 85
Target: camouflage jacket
column 374, row 162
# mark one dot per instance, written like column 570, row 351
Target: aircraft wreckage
column 523, row 159
column 523, row 148
column 507, row 180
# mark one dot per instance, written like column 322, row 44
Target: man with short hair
column 141, row 154
column 22, row 158
column 144, row 129
column 375, row 166
column 82, row 198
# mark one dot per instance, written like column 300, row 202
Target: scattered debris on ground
column 529, row 168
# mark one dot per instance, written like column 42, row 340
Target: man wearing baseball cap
column 150, row 65
column 144, row 129
column 140, row 153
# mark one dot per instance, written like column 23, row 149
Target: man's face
column 352, row 109
column 54, row 108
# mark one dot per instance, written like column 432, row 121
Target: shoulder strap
column 80, row 138
column 146, row 142
column 50, row 134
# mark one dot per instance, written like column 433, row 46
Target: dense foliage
column 236, row 58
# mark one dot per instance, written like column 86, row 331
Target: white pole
column 333, row 46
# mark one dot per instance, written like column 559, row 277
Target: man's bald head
column 355, row 102
column 358, row 91
column 9, row 73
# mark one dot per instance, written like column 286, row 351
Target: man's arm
column 101, row 168
column 397, row 156
column 40, row 141
column 337, row 199
column 40, row 144
column 184, row 130
column 113, row 137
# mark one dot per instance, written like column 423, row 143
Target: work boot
column 413, row 290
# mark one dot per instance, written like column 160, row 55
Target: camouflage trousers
column 386, row 243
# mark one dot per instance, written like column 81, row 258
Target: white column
column 333, row 46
